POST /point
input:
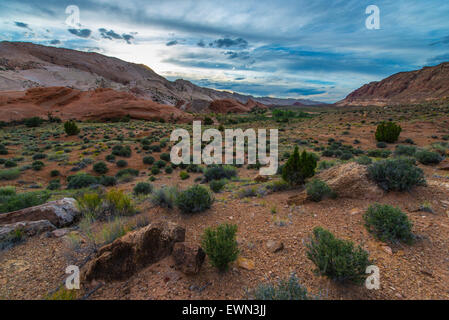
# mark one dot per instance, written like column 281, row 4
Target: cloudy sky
column 313, row 49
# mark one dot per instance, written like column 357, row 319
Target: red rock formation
column 98, row 104
column 427, row 84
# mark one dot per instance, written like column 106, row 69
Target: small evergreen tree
column 220, row 245
column 71, row 128
column 388, row 132
column 299, row 167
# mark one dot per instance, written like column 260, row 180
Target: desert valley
column 87, row 181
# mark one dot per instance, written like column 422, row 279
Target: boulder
column 188, row 259
column 349, row 180
column 125, row 256
column 60, row 213
column 274, row 246
column 29, row 228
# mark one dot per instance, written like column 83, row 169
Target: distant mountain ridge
column 26, row 65
column 426, row 84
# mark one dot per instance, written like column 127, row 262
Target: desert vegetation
column 300, row 234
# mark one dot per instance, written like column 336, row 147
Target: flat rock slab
column 28, row 228
column 60, row 213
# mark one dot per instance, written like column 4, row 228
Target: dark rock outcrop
column 125, row 256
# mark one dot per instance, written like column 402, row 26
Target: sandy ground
column 34, row 268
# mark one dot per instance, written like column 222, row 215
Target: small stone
column 427, row 273
column 387, row 249
column 60, row 232
column 274, row 246
column 245, row 263
column 355, row 211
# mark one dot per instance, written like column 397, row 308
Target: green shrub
column 160, row 163
column 54, row 185
column 121, row 163
column 37, row 165
column 217, row 185
column 285, row 289
column 165, row 156
column 121, row 151
column 110, row 158
column 90, row 205
column 324, row 164
column 381, row 145
column 317, row 190
column 143, row 188
column 168, row 170
column 7, row 191
column 364, row 160
column 388, row 132
column 54, row 173
column 378, row 153
column 127, row 171
column 71, row 129
column 184, row 175
column 165, row 197
column 148, row 160
column 113, row 230
column 427, row 157
column 396, row 174
column 3, row 150
column 9, row 174
column 277, row 185
column 12, row 201
column 299, row 167
column 100, row 167
column 218, row 172
column 220, row 245
column 405, row 150
column 337, row 258
column 195, row 199
column 81, row 180
column 155, row 170
column 33, row 122
column 208, row 121
column 194, row 168
column 10, row 164
column 108, row 181
column 388, row 223
column 118, row 203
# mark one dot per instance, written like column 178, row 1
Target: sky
column 307, row 49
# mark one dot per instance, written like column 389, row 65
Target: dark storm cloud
column 105, row 34
column 127, row 38
column 22, row 25
column 82, row 33
column 112, row 35
column 237, row 55
column 54, row 42
column 228, row 43
column 201, row 44
column 171, row 43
